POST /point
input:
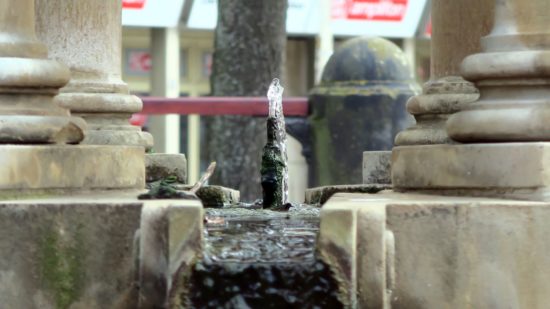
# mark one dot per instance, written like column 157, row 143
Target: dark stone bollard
column 358, row 106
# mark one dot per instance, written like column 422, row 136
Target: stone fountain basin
column 262, row 259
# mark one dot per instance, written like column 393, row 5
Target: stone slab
column 162, row 165
column 26, row 168
column 216, row 196
column 377, row 167
column 320, row 195
column 171, row 239
column 113, row 252
column 400, row 250
column 60, row 255
column 515, row 170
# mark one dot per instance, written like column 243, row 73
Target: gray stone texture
column 86, row 35
column 517, row 170
column 512, row 74
column 90, row 252
column 28, row 83
column 170, row 240
column 78, row 167
column 419, row 251
column 162, row 165
column 447, row 92
column 320, row 195
column 60, row 255
column 358, row 106
column 377, row 167
column 215, row 196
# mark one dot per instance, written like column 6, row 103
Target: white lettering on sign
column 375, row 10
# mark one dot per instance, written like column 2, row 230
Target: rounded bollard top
column 366, row 62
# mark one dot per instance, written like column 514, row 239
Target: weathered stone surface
column 97, row 251
column 216, row 196
column 446, row 92
column 26, row 167
column 86, row 36
column 507, row 169
column 358, row 106
column 431, row 109
column 161, row 165
column 377, row 167
column 421, row 251
column 28, row 83
column 320, row 195
column 170, row 240
column 512, row 73
column 56, row 255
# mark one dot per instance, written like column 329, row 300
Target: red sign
column 139, row 61
column 133, row 4
column 374, row 10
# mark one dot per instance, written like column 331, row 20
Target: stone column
column 457, row 29
column 513, row 75
column 86, row 35
column 28, row 83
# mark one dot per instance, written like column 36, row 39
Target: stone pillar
column 28, row 83
column 86, row 35
column 457, row 29
column 506, row 132
column 513, row 75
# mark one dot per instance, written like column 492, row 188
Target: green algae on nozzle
column 274, row 168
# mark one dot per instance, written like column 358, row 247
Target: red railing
column 209, row 106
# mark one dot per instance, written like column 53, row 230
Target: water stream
column 262, row 259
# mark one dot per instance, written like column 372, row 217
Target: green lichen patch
column 272, row 172
column 61, row 265
column 322, row 194
column 166, row 188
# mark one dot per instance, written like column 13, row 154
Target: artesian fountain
column 465, row 225
column 263, row 254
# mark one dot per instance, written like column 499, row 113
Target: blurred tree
column 249, row 49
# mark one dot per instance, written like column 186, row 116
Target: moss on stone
column 272, row 171
column 212, row 196
column 61, row 266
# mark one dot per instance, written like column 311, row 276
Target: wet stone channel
column 262, row 259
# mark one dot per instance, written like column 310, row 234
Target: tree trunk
column 249, row 50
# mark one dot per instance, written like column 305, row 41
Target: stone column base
column 395, row 250
column 511, row 170
column 26, row 169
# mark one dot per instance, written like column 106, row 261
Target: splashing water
column 275, row 97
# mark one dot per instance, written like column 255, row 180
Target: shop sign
column 385, row 18
column 138, row 61
column 151, row 13
column 370, row 10
column 133, row 4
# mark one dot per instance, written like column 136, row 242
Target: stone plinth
column 518, row 170
column 159, row 166
column 96, row 252
column 320, row 195
column 513, row 76
column 86, row 35
column 69, row 168
column 28, row 83
column 457, row 27
column 419, row 251
column 170, row 241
